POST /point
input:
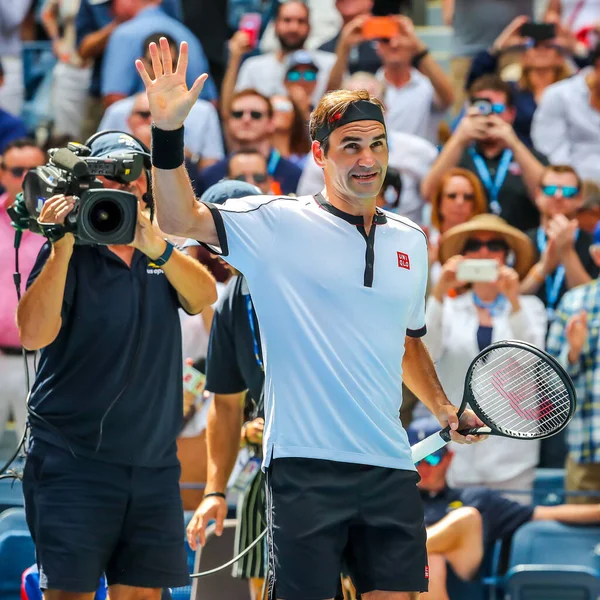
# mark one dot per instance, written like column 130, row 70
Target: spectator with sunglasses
column 19, row 156
column 463, row 524
column 566, row 125
column 301, row 81
column 251, row 166
column 563, row 258
column 464, row 317
column 542, row 63
column 249, row 125
column 486, row 144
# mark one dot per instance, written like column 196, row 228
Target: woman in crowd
column 459, row 197
column 542, row 64
column 464, row 317
column 290, row 137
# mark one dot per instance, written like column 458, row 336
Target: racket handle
column 430, row 445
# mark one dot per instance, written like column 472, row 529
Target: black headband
column 363, row 110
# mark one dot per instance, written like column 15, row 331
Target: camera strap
column 494, row 186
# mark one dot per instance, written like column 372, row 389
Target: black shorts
column 88, row 517
column 322, row 512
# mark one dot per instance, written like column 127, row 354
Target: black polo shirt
column 517, row 208
column 501, row 517
column 231, row 364
column 110, row 385
column 582, row 248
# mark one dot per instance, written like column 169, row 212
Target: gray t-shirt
column 477, row 23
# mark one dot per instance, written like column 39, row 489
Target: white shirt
column 334, row 308
column 265, row 74
column 412, row 108
column 411, row 155
column 567, row 129
column 452, row 340
column 202, row 133
column 577, row 14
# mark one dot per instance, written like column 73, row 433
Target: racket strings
column 519, row 392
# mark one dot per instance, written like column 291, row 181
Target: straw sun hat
column 454, row 240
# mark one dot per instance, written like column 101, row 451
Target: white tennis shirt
column 334, row 306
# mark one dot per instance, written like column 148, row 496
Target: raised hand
column 168, row 95
column 576, row 333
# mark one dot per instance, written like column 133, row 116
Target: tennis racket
column 517, row 390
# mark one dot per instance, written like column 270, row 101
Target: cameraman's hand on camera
column 168, row 95
column 472, row 127
column 148, row 238
column 508, row 286
column 211, row 508
column 54, row 212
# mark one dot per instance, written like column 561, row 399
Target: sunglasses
column 255, row 115
column 145, row 114
column 256, row 177
column 474, row 245
column 433, row 460
column 567, row 191
column 308, row 76
column 16, row 171
column 467, row 197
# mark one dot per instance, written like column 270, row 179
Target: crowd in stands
column 497, row 157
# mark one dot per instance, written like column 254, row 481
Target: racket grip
column 429, row 445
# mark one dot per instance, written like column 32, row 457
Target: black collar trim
column 379, row 217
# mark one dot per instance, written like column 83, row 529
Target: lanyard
column 273, row 162
column 495, row 307
column 553, row 284
column 253, row 330
column 492, row 187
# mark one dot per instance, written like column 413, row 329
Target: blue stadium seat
column 17, row 553
column 540, row 582
column 13, row 519
column 549, row 487
column 11, row 494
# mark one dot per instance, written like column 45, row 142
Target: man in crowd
column 138, row 20
column 487, row 145
column 573, row 339
column 564, row 260
column 565, row 124
column 106, row 319
column 265, row 73
column 203, row 136
column 417, row 91
column 18, row 157
column 362, row 56
column 319, row 388
column 463, row 524
column 251, row 166
column 249, row 124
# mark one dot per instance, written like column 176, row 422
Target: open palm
column 168, row 95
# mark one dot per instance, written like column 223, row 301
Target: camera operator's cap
column 454, row 240
column 421, row 428
column 113, row 144
column 300, row 58
column 221, row 192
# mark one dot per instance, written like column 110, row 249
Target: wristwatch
column 165, row 256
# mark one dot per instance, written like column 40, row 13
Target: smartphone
column 538, row 31
column 377, row 28
column 193, row 380
column 477, row 269
column 250, row 23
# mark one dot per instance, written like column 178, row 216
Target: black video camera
column 101, row 216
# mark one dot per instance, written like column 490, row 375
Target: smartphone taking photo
column 474, row 270
column 250, row 23
column 380, row 28
column 538, row 32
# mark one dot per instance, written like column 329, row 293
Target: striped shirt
column 583, row 434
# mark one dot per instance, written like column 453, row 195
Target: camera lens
column 106, row 216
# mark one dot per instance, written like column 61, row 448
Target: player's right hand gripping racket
column 517, row 390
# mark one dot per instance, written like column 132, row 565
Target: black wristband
column 217, row 494
column 417, row 58
column 167, row 148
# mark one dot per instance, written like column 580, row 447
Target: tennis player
column 339, row 290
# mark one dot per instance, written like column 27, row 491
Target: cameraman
column 101, row 479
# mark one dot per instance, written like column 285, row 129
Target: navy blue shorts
column 88, row 517
column 323, row 513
